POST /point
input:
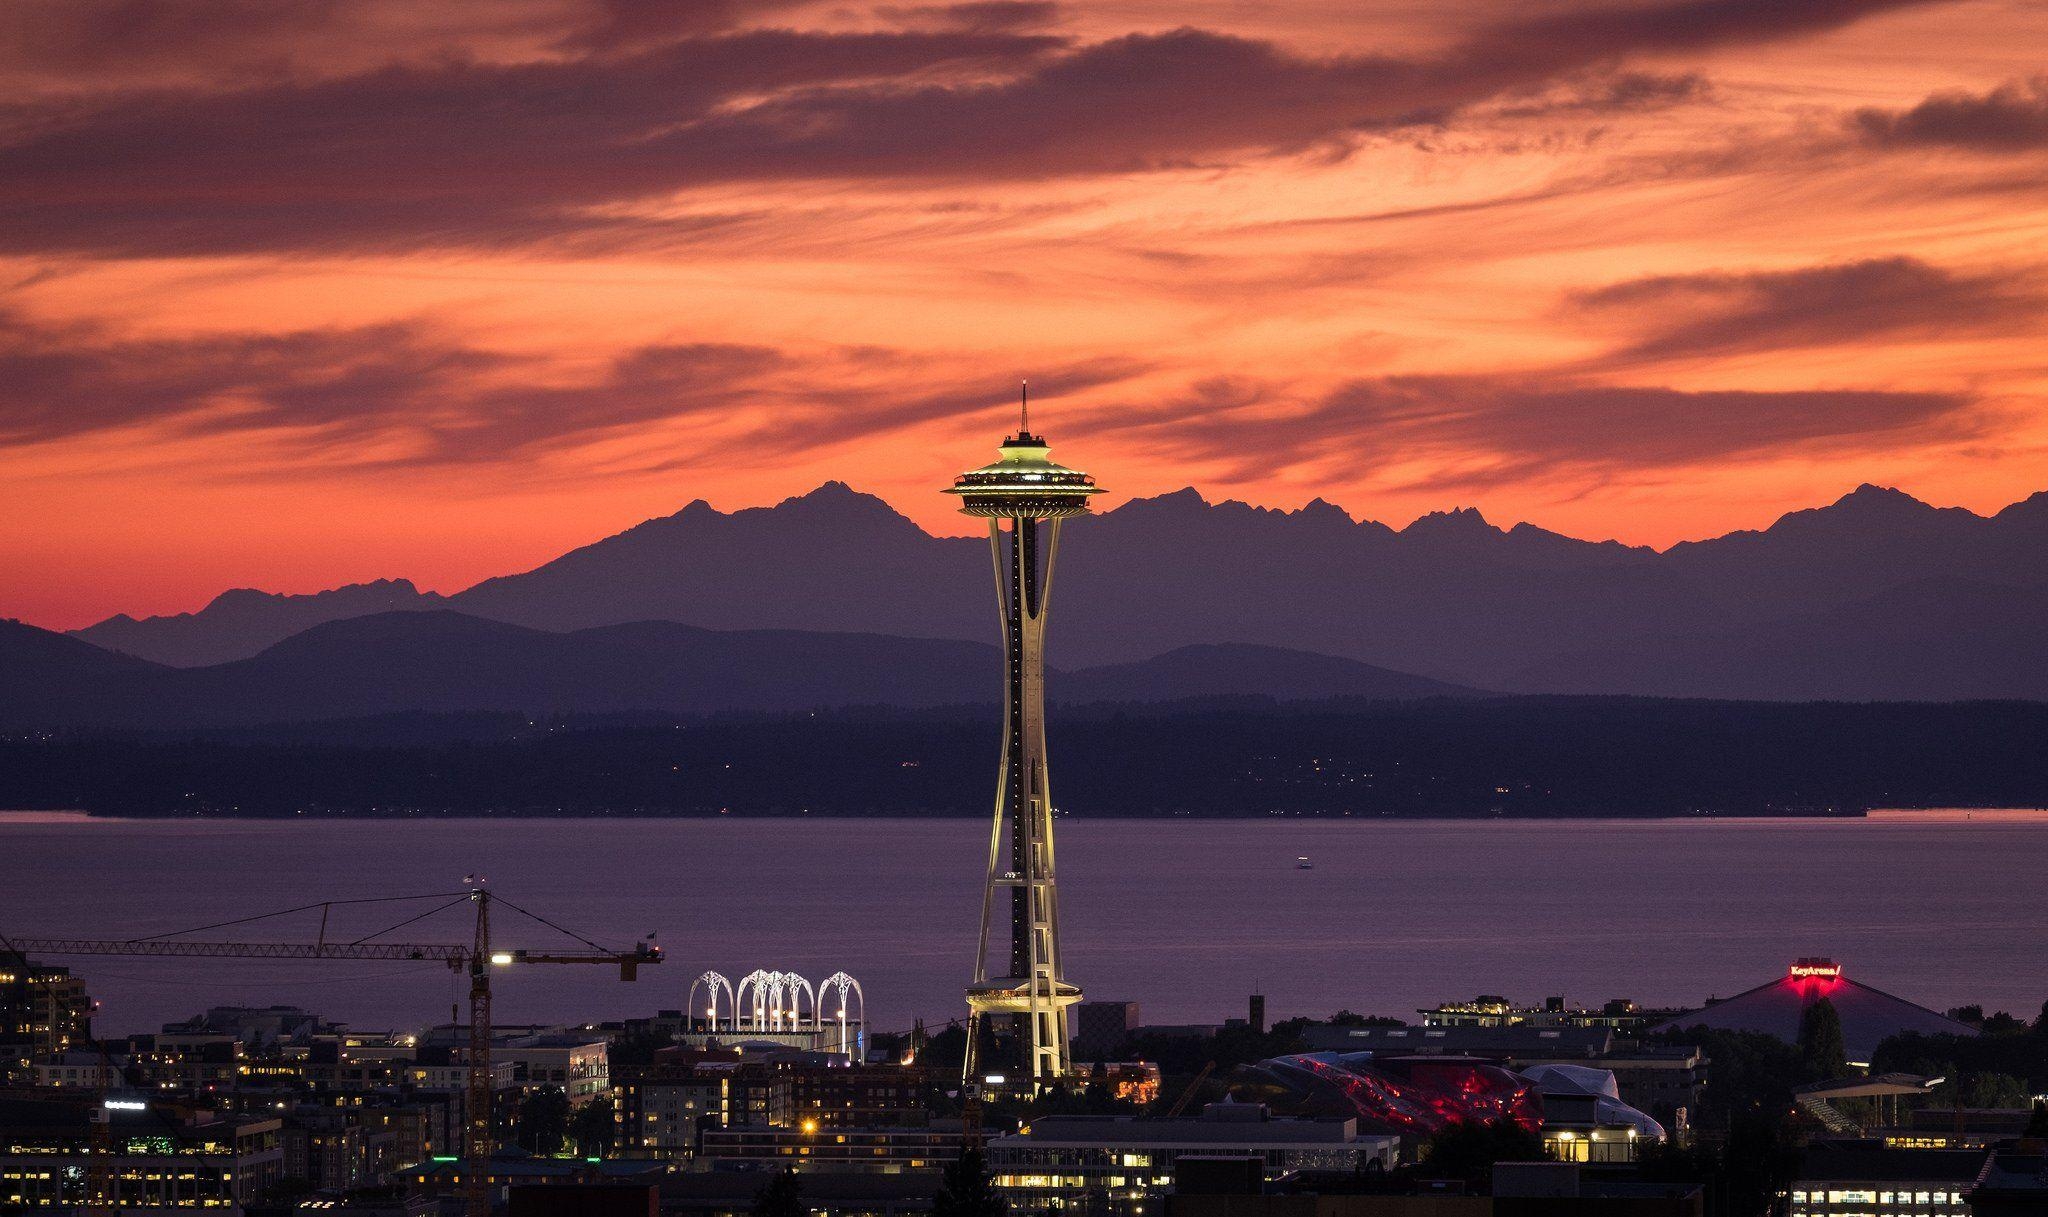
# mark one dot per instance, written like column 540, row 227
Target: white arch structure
column 776, row 1001
column 711, row 983
column 770, row 1001
column 839, row 984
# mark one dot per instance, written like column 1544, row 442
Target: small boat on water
column 1302, row 863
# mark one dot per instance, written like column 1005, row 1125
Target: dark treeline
column 1509, row 756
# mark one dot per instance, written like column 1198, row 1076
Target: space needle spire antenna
column 1024, row 406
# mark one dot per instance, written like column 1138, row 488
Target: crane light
column 501, row 958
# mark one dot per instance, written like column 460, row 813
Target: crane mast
column 477, row 957
column 477, row 1148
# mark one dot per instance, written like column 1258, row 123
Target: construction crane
column 1181, row 1104
column 478, row 957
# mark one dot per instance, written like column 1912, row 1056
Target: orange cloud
column 369, row 288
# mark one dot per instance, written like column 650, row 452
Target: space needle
column 1035, row 495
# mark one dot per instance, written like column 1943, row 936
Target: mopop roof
column 1024, row 484
column 1869, row 1016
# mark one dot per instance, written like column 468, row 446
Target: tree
column 544, row 1121
column 783, row 1197
column 1346, row 1018
column 1994, row 1090
column 1752, row 1073
column 946, row 1050
column 967, row 1190
column 593, row 1126
column 1822, row 1053
column 1757, row 1163
column 1468, row 1149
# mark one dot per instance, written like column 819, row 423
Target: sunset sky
column 310, row 292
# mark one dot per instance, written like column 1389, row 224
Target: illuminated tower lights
column 1027, row 489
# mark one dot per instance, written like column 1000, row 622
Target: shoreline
column 1895, row 815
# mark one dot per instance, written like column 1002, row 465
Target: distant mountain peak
column 374, row 590
column 1871, row 497
column 1458, row 521
column 1179, row 502
column 835, row 498
column 1320, row 508
column 829, row 491
column 2034, row 505
column 1870, row 509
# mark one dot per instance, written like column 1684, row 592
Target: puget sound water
column 1185, row 917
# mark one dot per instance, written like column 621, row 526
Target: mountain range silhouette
column 1875, row 596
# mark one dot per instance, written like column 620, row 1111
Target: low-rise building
column 1123, row 1161
column 858, row 1096
column 1661, row 1080
column 162, row 1156
column 807, row 1147
column 2013, row 1183
column 1936, row 1127
column 662, row 1109
column 343, row 1148
column 1487, row 1010
column 576, row 1063
column 732, row 1193
column 1853, row 1178
column 79, row 1070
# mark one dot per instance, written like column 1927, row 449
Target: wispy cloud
column 1707, row 315
column 502, row 154
column 2010, row 118
column 1485, row 431
column 415, row 394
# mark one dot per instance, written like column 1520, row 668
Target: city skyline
column 303, row 297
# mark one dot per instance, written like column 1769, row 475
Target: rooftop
column 1871, row 1161
column 1869, row 1016
column 1220, row 1124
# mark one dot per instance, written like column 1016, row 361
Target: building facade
column 44, row 1010
column 1119, row 1163
column 161, row 1156
column 807, row 1148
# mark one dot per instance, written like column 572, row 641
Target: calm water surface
column 1184, row 917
